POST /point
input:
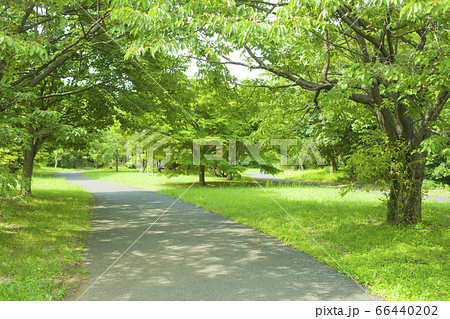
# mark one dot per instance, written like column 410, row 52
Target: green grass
column 436, row 189
column 315, row 175
column 42, row 238
column 323, row 176
column 398, row 263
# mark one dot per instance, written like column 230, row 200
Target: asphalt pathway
column 183, row 252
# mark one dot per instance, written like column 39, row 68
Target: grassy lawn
column 398, row 263
column 41, row 240
column 435, row 189
column 315, row 175
column 323, row 176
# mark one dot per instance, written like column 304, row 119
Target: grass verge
column 42, row 238
column 398, row 263
column 321, row 175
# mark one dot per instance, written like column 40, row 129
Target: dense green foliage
column 390, row 58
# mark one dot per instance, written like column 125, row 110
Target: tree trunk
column 56, row 160
column 333, row 166
column 229, row 176
column 117, row 163
column 29, row 154
column 201, row 175
column 143, row 166
column 159, row 166
column 405, row 196
column 27, row 171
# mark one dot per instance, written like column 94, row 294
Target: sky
column 238, row 71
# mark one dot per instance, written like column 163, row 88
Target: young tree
column 108, row 147
column 214, row 113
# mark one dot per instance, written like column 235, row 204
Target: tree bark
column 56, row 160
column 27, row 171
column 201, row 175
column 405, row 196
column 29, row 153
column 333, row 166
column 143, row 166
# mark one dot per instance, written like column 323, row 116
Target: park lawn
column 436, row 189
column 42, row 238
column 321, row 175
column 347, row 233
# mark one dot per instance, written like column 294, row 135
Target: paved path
column 270, row 178
column 192, row 254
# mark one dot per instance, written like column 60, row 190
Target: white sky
column 241, row 72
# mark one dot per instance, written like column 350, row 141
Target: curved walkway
column 183, row 252
column 270, row 178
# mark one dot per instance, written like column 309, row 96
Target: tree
column 61, row 73
column 108, row 147
column 391, row 57
column 43, row 56
column 214, row 112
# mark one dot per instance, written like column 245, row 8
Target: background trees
column 389, row 57
column 377, row 65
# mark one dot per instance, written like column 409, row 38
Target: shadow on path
column 193, row 254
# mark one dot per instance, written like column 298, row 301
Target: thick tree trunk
column 201, row 175
column 405, row 196
column 333, row 166
column 229, row 176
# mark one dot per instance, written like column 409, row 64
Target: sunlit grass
column 42, row 238
column 315, row 175
column 398, row 263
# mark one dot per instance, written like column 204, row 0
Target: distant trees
column 390, row 57
column 108, row 147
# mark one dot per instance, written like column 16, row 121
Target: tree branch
column 354, row 24
column 57, row 61
column 324, row 73
column 334, row 44
column 433, row 112
column 67, row 93
column 28, row 11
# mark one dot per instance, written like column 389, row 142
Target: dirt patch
column 76, row 279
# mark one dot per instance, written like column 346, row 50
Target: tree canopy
column 339, row 69
column 391, row 57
